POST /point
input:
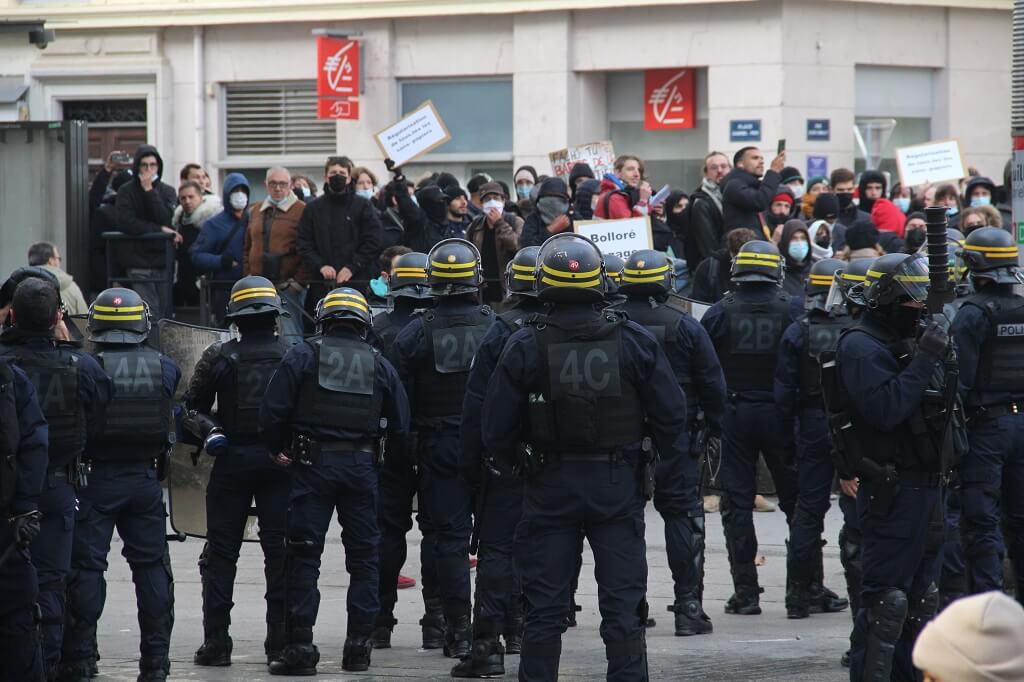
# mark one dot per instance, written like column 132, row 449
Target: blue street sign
column 818, row 129
column 817, row 165
column 745, row 130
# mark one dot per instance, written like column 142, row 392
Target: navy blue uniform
column 578, row 495
column 51, row 549
column 123, row 492
column 992, row 473
column 24, row 429
column 243, row 475
column 345, row 479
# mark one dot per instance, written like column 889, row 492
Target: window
column 275, row 119
column 478, row 113
column 899, row 93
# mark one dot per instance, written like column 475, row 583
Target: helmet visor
column 912, row 277
column 836, row 293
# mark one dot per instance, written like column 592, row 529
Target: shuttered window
column 275, row 119
column 1017, row 91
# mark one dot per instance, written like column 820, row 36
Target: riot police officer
column 989, row 335
column 800, row 406
column 432, row 355
column 124, row 461
column 647, row 280
column 498, row 490
column 322, row 414
column 235, row 374
column 73, row 389
column 613, row 266
column 587, row 391
column 746, row 327
column 888, row 403
column 23, row 439
column 407, row 292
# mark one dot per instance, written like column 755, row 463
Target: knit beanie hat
column 783, row 195
column 790, row 174
column 976, row 639
column 862, row 235
column 826, row 206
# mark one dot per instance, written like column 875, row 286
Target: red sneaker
column 472, row 562
column 405, row 581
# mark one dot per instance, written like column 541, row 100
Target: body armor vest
column 140, row 411
column 55, row 377
column 10, row 437
column 440, row 381
column 252, row 366
column 662, row 321
column 342, row 395
column 584, row 402
column 385, row 330
column 751, row 345
column 1001, row 357
column 821, row 332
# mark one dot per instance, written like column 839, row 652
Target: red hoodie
column 886, row 216
column 618, row 205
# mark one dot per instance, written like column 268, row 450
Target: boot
column 154, row 669
column 798, row 580
column 382, row 629
column 486, row 657
column 690, row 617
column 299, row 657
column 822, row 599
column 457, row 635
column 746, row 601
column 74, row 672
column 358, row 646
column 274, row 643
column 216, row 648
column 514, row 624
column 433, row 623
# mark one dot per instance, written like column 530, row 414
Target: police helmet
column 647, row 273
column 570, row 269
column 896, row 278
column 254, row 295
column 822, row 274
column 613, row 266
column 453, row 267
column 848, row 284
column 119, row 316
column 343, row 303
column 757, row 261
column 991, row 254
column 409, row 278
column 519, row 277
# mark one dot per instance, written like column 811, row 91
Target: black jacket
column 706, row 228
column 340, row 230
column 744, row 197
column 140, row 213
column 711, row 279
column 421, row 233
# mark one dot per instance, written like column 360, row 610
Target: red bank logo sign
column 669, row 99
column 337, row 81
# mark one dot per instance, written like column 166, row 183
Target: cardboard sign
column 618, row 237
column 668, row 99
column 598, row 155
column 932, row 162
column 419, row 132
column 337, row 108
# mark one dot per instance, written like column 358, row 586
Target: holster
column 887, row 485
column 648, row 466
column 305, row 450
column 531, row 462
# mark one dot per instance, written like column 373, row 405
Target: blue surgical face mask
column 798, row 250
column 524, row 191
column 365, row 193
column 414, row 199
column 379, row 286
column 952, row 210
column 902, row 203
column 305, row 191
column 981, row 201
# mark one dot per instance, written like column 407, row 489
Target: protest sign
column 416, row 134
column 617, row 237
column 598, row 155
column 932, row 162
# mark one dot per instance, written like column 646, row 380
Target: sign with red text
column 600, row 156
column 669, row 99
column 617, row 237
column 337, row 79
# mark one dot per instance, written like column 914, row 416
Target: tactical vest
column 252, row 366
column 55, row 375
column 662, row 321
column 10, row 437
column 440, row 381
column 385, row 330
column 584, row 401
column 821, row 332
column 140, row 411
column 751, row 345
column 342, row 394
column 516, row 318
column 1001, row 357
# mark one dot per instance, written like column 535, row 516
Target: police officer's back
column 583, row 388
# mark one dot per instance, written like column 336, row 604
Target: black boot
column 299, row 656
column 514, row 623
column 216, row 648
column 382, row 628
column 798, row 581
column 154, row 669
column 78, row 671
column 690, row 617
column 358, row 646
column 822, row 599
column 746, row 601
column 433, row 623
column 275, row 641
column 457, row 635
column 486, row 657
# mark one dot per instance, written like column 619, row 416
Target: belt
column 368, row 445
column 920, row 479
column 996, row 411
column 147, row 463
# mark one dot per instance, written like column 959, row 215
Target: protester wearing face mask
column 872, row 187
column 795, row 247
column 551, row 214
column 820, row 234
column 524, row 179
column 972, row 218
column 815, row 186
column 979, row 192
column 914, row 232
column 217, row 252
column 779, row 211
column 496, row 236
column 364, row 183
column 304, row 188
column 792, row 179
column 947, row 195
column 842, row 181
column 586, row 195
column 901, row 197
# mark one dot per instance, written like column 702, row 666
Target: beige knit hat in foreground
column 976, row 639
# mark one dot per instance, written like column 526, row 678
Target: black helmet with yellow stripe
column 822, row 274
column 757, row 261
column 119, row 316
column 896, row 278
column 254, row 295
column 409, row 276
column 647, row 273
column 519, row 273
column 343, row 303
column 570, row 269
column 613, row 266
column 991, row 254
column 453, row 268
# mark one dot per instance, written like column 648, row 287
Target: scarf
column 712, row 190
column 818, row 252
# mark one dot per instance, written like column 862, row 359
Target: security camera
column 41, row 38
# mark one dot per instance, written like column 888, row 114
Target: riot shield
column 188, row 471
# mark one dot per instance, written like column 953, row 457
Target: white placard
column 414, row 135
column 598, row 155
column 618, row 237
column 932, row 162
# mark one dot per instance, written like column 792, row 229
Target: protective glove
column 25, row 528
column 934, row 341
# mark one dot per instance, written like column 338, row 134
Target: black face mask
column 773, row 219
column 905, row 320
column 914, row 240
column 845, row 199
column 823, row 239
column 338, row 184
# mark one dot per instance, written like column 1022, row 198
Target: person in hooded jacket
column 795, row 247
column 550, row 216
column 779, row 211
column 583, row 204
column 820, row 234
column 979, row 191
column 217, row 251
column 861, row 241
column 392, row 225
column 524, row 178
column 871, row 188
column 580, row 173
column 668, row 223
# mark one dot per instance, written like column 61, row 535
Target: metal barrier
column 164, row 282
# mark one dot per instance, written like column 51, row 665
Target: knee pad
column 625, row 649
column 887, row 613
column 921, row 608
